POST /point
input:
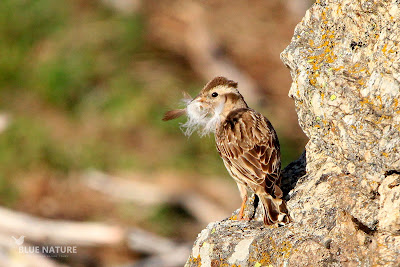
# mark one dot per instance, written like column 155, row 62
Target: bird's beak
column 200, row 99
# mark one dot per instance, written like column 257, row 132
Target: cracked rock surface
column 344, row 196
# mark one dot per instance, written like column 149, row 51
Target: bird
column 19, row 241
column 246, row 142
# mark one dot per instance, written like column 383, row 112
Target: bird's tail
column 274, row 209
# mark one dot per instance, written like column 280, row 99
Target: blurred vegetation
column 77, row 82
column 84, row 89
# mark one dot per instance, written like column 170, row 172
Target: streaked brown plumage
column 246, row 141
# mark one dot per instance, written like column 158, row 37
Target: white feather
column 202, row 120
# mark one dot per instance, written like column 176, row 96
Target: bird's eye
column 215, row 94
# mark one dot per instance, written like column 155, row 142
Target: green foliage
column 22, row 25
column 58, row 58
column 75, row 62
column 27, row 145
column 168, row 220
column 8, row 191
column 82, row 66
column 291, row 150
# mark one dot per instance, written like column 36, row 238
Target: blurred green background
column 84, row 85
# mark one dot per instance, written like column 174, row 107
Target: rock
column 234, row 243
column 344, row 60
column 389, row 212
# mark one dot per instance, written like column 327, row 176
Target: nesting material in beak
column 176, row 113
column 173, row 114
column 201, row 118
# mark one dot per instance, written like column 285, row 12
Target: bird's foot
column 240, row 215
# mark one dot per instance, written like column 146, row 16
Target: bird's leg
column 240, row 216
column 243, row 194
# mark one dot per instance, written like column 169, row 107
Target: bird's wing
column 249, row 145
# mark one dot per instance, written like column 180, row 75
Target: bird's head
column 216, row 91
column 210, row 106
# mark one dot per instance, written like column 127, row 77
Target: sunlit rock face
column 345, row 64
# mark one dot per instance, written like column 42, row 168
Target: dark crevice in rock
column 374, row 195
column 394, row 183
column 327, row 243
column 323, row 178
column 256, row 200
column 360, row 226
column 354, row 44
column 391, row 172
column 292, row 173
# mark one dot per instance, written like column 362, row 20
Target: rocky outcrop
column 344, row 59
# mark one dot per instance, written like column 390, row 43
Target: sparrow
column 245, row 140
